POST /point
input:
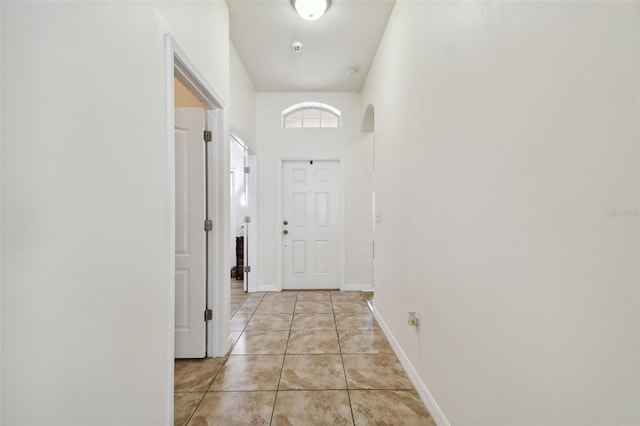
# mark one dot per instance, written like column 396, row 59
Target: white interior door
column 311, row 224
column 190, row 281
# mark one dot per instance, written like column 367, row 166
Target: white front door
column 311, row 224
column 190, row 326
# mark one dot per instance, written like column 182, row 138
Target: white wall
column 85, row 307
column 242, row 109
column 511, row 127
column 275, row 142
column 1, row 173
column 242, row 117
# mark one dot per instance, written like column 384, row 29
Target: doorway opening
column 369, row 128
column 191, row 196
column 243, row 228
column 208, row 188
column 239, row 214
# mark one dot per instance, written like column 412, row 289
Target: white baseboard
column 425, row 395
column 358, row 287
column 347, row 287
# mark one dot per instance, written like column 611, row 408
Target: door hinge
column 247, row 269
column 247, row 219
column 208, row 314
column 208, row 136
column 247, row 169
column 208, row 225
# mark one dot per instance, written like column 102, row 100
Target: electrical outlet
column 413, row 319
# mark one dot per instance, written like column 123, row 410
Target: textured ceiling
column 348, row 35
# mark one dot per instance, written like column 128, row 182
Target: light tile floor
column 300, row 358
column 237, row 296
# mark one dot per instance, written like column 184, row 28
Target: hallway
column 313, row 357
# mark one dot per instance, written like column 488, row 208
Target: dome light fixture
column 311, row 10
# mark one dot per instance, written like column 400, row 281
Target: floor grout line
column 195, row 409
column 224, row 362
column 344, row 369
column 351, row 325
column 284, row 357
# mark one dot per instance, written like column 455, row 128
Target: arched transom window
column 310, row 115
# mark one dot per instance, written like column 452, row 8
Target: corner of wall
column 243, row 106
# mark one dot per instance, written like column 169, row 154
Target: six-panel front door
column 190, row 281
column 311, row 223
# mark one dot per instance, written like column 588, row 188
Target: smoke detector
column 297, row 47
column 353, row 71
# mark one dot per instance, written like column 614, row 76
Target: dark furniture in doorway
column 239, row 258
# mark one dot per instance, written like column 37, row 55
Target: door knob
column 285, row 232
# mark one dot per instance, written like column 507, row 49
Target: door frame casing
column 341, row 209
column 218, row 335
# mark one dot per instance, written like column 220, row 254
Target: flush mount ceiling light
column 311, row 9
